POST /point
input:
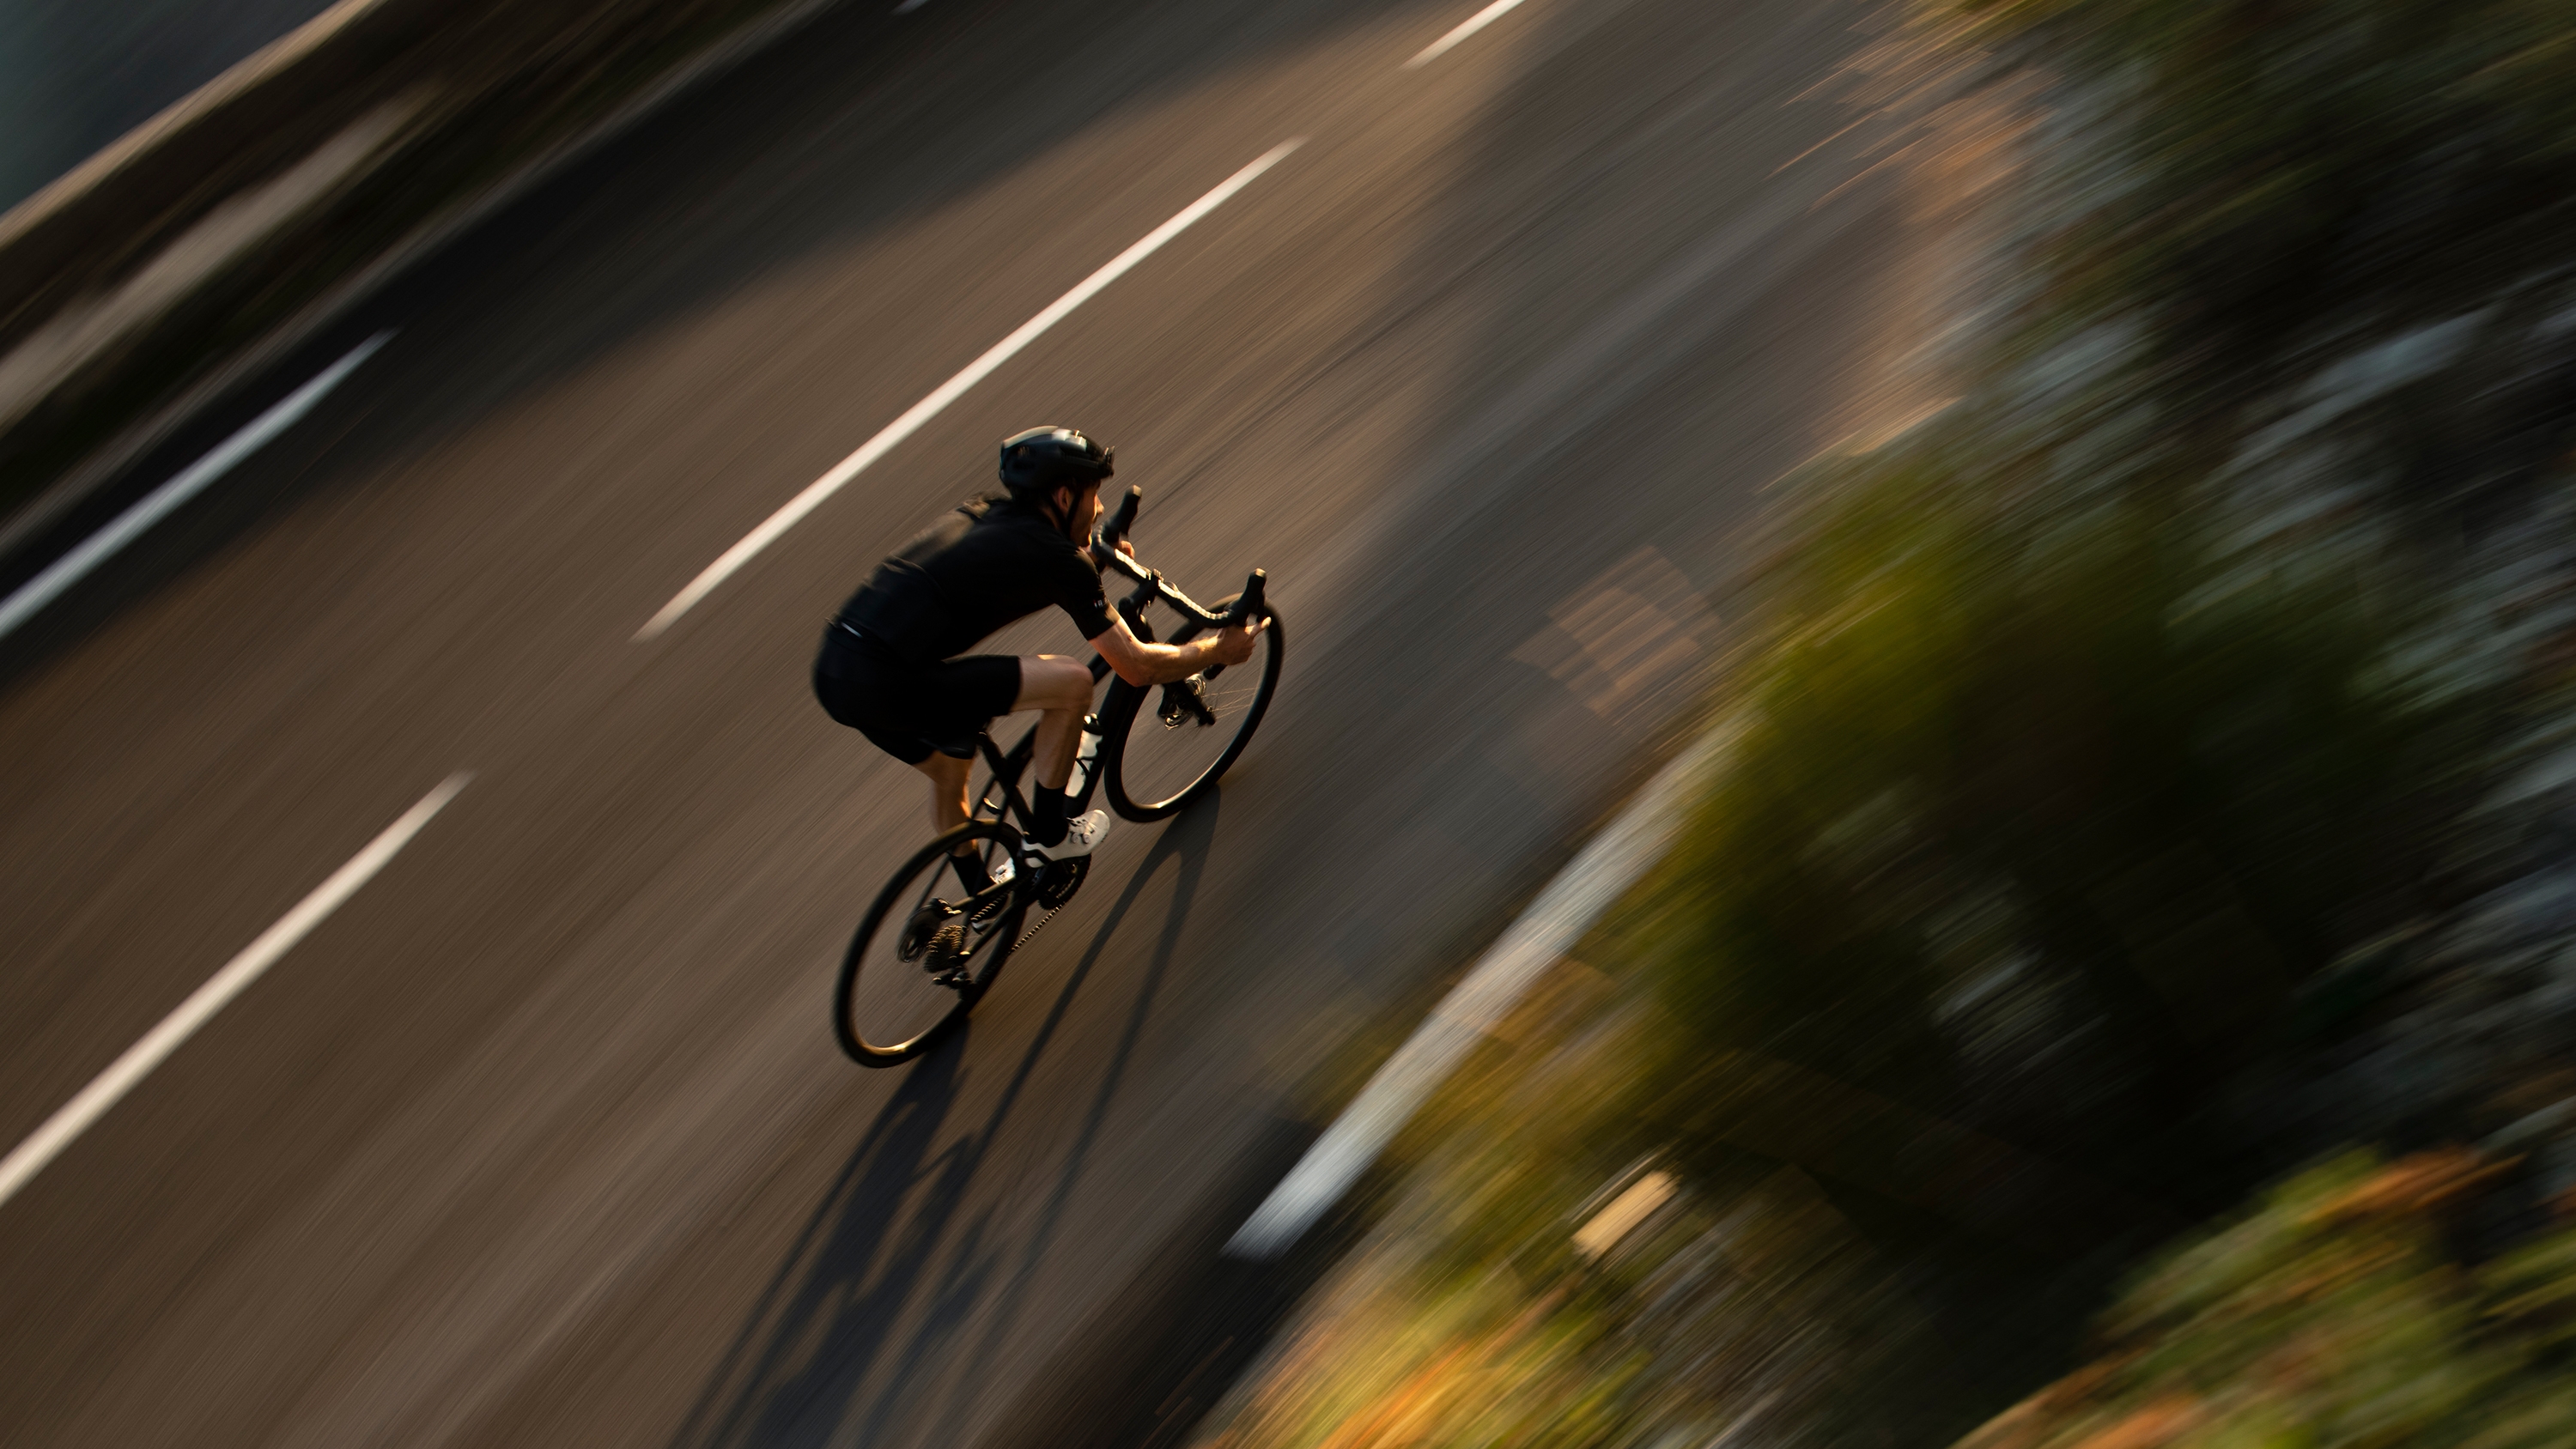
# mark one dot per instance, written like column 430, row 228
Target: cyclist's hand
column 1234, row 641
column 1126, row 548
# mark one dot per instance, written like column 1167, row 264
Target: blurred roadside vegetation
column 2153, row 774
column 2333, row 1312
column 2100, row 717
column 2039, row 817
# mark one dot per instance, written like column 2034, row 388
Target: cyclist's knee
column 1052, row 682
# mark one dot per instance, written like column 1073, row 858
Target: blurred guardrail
column 139, row 288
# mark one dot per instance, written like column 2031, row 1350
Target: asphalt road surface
column 543, row 1138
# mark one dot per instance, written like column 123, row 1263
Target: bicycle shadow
column 796, row 1372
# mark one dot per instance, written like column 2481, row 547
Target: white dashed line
column 1466, row 28
column 41, row 590
column 157, row 1044
column 951, row 390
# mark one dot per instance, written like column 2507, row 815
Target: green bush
column 2060, row 774
column 2045, row 770
column 2280, row 175
column 2329, row 1315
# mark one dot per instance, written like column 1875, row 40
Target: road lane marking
column 41, row 590
column 157, row 1044
column 1468, row 27
column 951, row 390
column 1569, row 906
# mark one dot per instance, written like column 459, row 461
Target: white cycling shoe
column 1082, row 835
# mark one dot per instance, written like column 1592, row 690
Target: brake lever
column 1106, row 544
column 1246, row 605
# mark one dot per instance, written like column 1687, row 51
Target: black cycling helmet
column 1041, row 460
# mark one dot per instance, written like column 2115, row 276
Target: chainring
column 1060, row 880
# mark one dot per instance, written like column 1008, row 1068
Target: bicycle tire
column 1124, row 779
column 901, row 988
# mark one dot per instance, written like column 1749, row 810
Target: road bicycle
column 933, row 943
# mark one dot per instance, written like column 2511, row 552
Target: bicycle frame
column 1151, row 587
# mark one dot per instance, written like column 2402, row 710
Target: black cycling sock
column 971, row 871
column 1047, row 825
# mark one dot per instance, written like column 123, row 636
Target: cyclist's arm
column 1141, row 664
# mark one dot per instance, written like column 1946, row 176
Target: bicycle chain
column 1031, row 933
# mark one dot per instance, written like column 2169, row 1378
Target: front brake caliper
column 1185, row 697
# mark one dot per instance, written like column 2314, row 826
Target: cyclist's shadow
column 826, row 1317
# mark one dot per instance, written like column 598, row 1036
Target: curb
column 1612, row 861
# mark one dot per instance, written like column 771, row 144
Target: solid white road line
column 192, row 480
column 139, row 1059
column 1468, row 27
column 1546, row 931
column 949, row 391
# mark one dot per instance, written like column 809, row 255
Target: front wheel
column 929, row 947
column 1168, row 744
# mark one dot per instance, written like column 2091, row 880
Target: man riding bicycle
column 893, row 665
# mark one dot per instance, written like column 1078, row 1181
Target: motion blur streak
column 2119, row 989
column 560, row 1149
column 235, row 978
column 66, row 571
column 1466, row 28
column 954, row 388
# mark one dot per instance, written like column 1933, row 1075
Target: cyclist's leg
column 943, row 710
column 928, row 718
column 948, row 781
column 1060, row 687
column 949, row 809
column 862, row 686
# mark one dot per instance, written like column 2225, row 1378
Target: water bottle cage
column 1085, row 758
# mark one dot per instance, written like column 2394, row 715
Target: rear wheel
column 929, row 948
column 1168, row 744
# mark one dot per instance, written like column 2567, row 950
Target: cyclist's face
column 1081, row 510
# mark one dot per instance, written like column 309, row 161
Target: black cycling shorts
column 910, row 710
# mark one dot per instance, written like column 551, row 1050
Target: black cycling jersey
column 987, row 563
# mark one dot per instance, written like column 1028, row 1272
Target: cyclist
column 893, row 665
